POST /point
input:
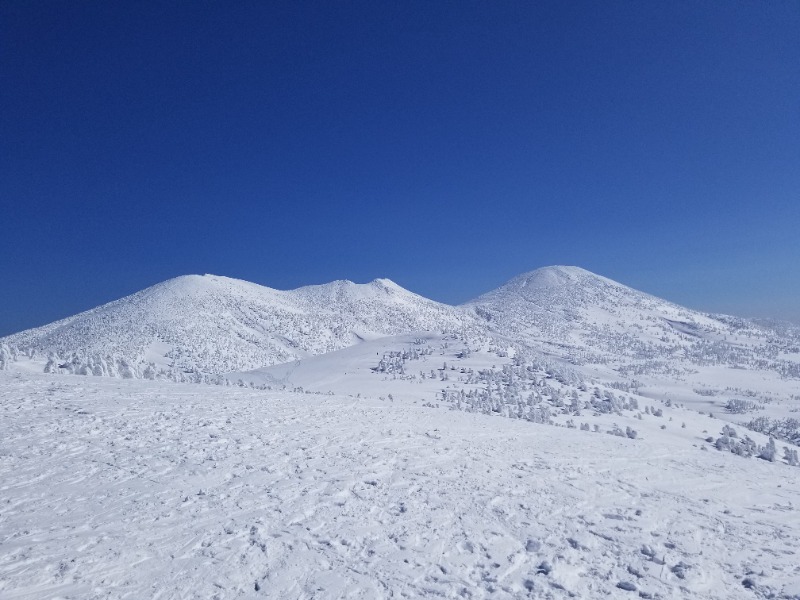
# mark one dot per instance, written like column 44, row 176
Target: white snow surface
column 214, row 324
column 149, row 489
column 394, row 473
column 351, row 371
column 565, row 306
column 615, row 333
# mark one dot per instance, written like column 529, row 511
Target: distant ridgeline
column 558, row 346
column 196, row 328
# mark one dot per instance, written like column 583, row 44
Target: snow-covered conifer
column 768, row 452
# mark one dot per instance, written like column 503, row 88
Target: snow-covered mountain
column 216, row 324
column 662, row 460
column 568, row 307
column 589, row 319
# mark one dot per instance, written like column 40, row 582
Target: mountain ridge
column 216, row 324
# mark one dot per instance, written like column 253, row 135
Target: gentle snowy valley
column 561, row 436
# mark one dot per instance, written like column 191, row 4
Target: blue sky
column 446, row 145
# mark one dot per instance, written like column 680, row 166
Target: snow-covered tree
column 768, row 452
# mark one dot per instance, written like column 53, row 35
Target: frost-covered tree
column 768, row 452
column 6, row 357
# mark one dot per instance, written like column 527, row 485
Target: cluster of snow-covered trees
column 787, row 429
column 394, row 362
column 122, row 367
column 729, row 441
column 739, row 406
column 9, row 354
column 535, row 390
column 676, row 353
column 528, row 388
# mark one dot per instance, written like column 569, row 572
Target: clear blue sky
column 446, row 145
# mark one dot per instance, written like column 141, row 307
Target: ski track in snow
column 133, row 489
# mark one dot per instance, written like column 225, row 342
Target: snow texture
column 132, row 489
column 563, row 436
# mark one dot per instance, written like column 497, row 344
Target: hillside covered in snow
column 562, row 436
column 562, row 322
column 589, row 319
column 214, row 325
column 211, row 324
column 629, row 338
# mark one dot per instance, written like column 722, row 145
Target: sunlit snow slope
column 217, row 324
column 589, row 319
column 140, row 489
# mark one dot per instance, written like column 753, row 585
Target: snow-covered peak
column 589, row 319
column 193, row 285
column 218, row 324
column 387, row 283
column 563, row 287
column 553, row 277
column 344, row 290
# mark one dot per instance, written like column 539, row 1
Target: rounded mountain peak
column 554, row 276
column 194, row 285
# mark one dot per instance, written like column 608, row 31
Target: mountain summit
column 213, row 325
column 588, row 319
column 217, row 324
column 563, row 305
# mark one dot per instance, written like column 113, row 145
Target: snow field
column 134, row 489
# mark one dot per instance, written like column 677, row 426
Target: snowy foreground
column 138, row 489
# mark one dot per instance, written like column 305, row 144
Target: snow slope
column 388, row 365
column 132, row 489
column 216, row 324
column 349, row 371
column 569, row 309
column 396, row 477
column 199, row 328
column 619, row 334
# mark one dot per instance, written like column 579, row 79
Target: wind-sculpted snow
column 211, row 324
column 135, row 489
